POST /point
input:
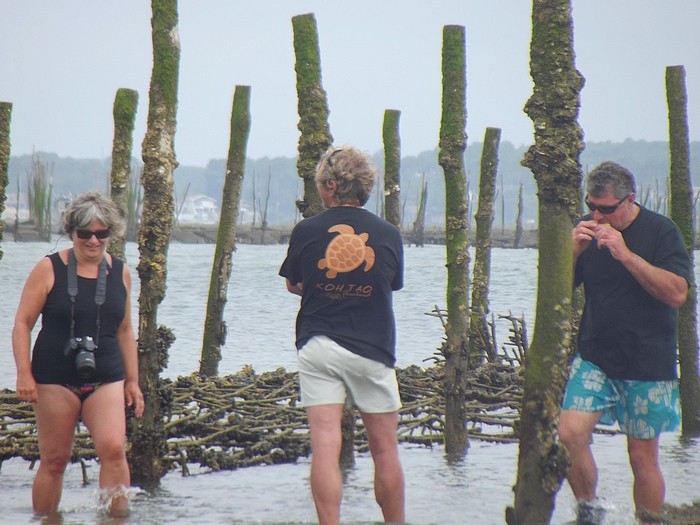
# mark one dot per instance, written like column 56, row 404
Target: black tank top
column 49, row 363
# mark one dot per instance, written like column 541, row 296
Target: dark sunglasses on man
column 606, row 210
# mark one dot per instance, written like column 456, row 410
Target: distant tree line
column 649, row 161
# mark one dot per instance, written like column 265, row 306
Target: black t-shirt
column 624, row 330
column 49, row 364
column 349, row 262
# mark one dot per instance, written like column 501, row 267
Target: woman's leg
column 57, row 410
column 104, row 416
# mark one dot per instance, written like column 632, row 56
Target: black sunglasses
column 87, row 234
column 606, row 210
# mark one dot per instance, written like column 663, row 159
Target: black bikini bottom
column 83, row 391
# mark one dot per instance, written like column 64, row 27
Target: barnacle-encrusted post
column 480, row 346
column 124, row 113
column 453, row 142
column 5, row 116
column 392, row 166
column 554, row 161
column 315, row 135
column 214, row 326
column 682, row 214
column 147, row 434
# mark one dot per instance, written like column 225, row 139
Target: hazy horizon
column 63, row 62
column 471, row 144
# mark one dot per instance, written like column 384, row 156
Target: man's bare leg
column 388, row 474
column 649, row 484
column 575, row 431
column 326, row 478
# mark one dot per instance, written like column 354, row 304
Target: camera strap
column 100, row 291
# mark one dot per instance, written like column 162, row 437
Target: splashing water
column 114, row 501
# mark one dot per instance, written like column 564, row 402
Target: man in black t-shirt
column 345, row 264
column 635, row 270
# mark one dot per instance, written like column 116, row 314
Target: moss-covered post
column 5, row 118
column 315, row 135
column 682, row 215
column 158, row 153
column 214, row 325
column 479, row 334
column 554, row 161
column 453, row 142
column 314, row 139
column 392, row 166
column 124, row 114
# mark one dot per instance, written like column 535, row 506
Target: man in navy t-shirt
column 635, row 268
column 345, row 263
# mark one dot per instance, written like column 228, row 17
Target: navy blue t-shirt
column 624, row 330
column 349, row 262
column 50, row 365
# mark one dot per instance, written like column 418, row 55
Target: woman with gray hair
column 84, row 361
column 349, row 172
column 345, row 263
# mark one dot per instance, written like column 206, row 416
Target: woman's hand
column 26, row 388
column 134, row 397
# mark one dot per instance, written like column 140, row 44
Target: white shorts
column 330, row 374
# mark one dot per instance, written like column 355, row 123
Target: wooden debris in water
column 248, row 419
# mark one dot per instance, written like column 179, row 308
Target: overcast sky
column 62, row 61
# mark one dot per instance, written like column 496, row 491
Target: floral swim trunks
column 643, row 409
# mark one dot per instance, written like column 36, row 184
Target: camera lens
column 85, row 363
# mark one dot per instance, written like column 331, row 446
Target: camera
column 83, row 348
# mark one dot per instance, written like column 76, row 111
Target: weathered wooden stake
column 124, row 113
column 392, row 167
column 519, row 219
column 315, row 136
column 5, row 118
column 480, row 346
column 554, row 161
column 682, row 214
column 453, row 142
column 214, row 325
column 147, row 434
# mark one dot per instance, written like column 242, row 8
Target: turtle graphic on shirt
column 346, row 251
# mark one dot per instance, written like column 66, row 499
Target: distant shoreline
column 247, row 234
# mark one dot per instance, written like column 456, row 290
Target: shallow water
column 260, row 316
column 475, row 491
